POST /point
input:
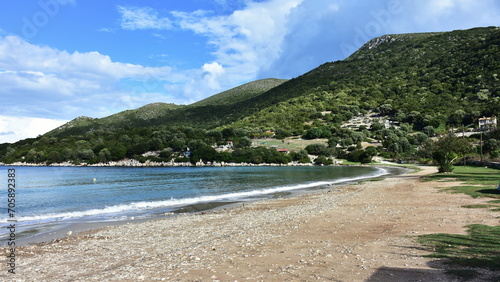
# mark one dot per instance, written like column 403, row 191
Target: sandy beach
column 362, row 232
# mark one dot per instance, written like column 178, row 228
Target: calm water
column 48, row 195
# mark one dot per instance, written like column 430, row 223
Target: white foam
column 117, row 209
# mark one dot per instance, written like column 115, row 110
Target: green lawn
column 290, row 143
column 465, row 253
column 477, row 181
column 480, row 249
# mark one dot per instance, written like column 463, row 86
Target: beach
column 361, row 232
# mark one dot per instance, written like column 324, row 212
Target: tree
column 196, row 144
column 178, row 144
column 385, row 109
column 429, row 130
column 362, row 156
column 313, row 133
column 85, row 154
column 54, row 157
column 206, row 154
column 104, row 155
column 376, row 126
column 420, row 138
column 316, row 149
column 216, row 135
column 117, row 152
column 228, row 133
column 166, row 155
column 447, row 149
column 245, row 142
column 301, row 157
column 332, row 142
column 282, row 133
column 322, row 160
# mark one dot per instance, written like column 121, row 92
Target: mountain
column 241, row 93
column 429, row 78
column 123, row 119
column 445, row 76
column 426, row 80
column 158, row 114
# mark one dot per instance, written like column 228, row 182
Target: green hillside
column 434, row 79
column 126, row 119
column 450, row 77
column 161, row 114
column 241, row 93
column 425, row 82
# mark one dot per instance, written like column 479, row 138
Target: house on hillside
column 487, row 123
column 227, row 147
column 284, row 151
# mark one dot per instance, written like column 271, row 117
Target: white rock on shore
column 136, row 163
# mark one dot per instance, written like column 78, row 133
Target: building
column 487, row 123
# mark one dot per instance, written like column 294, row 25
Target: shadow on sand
column 390, row 274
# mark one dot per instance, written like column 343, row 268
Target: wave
column 174, row 203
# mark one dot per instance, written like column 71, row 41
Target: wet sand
column 362, row 232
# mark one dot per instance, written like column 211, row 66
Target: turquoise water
column 47, row 195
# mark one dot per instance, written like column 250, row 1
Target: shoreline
column 60, row 230
column 136, row 163
column 361, row 232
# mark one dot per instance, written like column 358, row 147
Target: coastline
column 45, row 233
column 136, row 163
column 361, row 232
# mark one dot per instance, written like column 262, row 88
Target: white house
column 487, row 123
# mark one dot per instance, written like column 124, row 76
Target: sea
column 47, row 198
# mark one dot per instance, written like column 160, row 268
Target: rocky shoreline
column 136, row 163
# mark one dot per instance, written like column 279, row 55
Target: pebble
column 187, row 246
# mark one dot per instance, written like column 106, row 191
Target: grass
column 478, row 181
column 292, row 144
column 480, row 249
column 479, row 206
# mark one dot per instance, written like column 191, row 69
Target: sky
column 60, row 59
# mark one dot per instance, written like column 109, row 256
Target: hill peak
column 241, row 93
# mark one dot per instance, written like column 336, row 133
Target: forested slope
column 427, row 82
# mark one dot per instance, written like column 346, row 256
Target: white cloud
column 40, row 80
column 211, row 74
column 247, row 37
column 442, row 15
column 315, row 34
column 134, row 18
column 244, row 41
column 19, row 55
column 286, row 38
column 13, row 129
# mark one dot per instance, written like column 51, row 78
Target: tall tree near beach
column 449, row 148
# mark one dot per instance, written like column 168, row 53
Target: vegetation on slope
column 432, row 79
column 241, row 93
column 425, row 83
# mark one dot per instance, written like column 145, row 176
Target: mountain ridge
column 159, row 111
column 426, row 83
column 216, row 111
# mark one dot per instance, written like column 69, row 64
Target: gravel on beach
column 362, row 232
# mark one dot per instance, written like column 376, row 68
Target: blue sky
column 60, row 59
